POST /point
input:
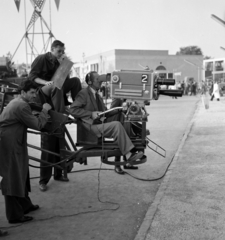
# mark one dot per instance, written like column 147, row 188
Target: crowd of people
column 190, row 88
column 213, row 88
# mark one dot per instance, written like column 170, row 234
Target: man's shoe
column 119, row 170
column 31, row 209
column 128, row 166
column 43, row 187
column 62, row 179
column 135, row 156
column 21, row 220
column 3, row 233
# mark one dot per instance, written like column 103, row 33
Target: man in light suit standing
column 88, row 104
column 216, row 91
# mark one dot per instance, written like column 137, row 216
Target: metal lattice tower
column 37, row 36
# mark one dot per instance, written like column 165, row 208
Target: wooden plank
column 62, row 72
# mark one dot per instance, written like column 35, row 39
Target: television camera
column 139, row 87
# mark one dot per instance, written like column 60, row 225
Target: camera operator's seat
column 102, row 147
column 95, row 146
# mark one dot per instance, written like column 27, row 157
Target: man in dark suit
column 44, row 67
column 88, row 104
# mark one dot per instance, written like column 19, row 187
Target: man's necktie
column 100, row 107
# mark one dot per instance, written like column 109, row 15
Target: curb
column 149, row 216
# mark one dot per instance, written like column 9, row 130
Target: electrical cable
column 153, row 179
column 14, row 226
column 128, row 173
column 64, row 216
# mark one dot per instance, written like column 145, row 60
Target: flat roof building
column 182, row 66
column 214, row 69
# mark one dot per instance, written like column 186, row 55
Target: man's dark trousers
column 16, row 206
column 50, row 143
column 73, row 85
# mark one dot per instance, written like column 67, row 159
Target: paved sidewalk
column 190, row 203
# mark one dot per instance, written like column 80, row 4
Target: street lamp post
column 218, row 19
column 198, row 76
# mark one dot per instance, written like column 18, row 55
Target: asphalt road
column 104, row 205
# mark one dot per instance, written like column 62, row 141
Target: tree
column 190, row 50
column 9, row 55
column 207, row 57
column 21, row 70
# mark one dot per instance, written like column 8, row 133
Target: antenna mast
column 33, row 31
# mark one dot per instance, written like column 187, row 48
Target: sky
column 95, row 26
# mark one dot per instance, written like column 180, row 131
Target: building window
column 209, row 66
column 94, row 67
column 162, row 75
column 170, row 75
column 219, row 66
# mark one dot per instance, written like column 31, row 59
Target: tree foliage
column 207, row 57
column 190, row 50
column 21, row 69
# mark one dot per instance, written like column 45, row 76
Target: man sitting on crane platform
column 42, row 71
column 44, row 67
column 87, row 106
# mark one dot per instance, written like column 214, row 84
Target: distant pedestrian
column 189, row 89
column 183, row 87
column 204, row 88
column 216, row 91
column 173, row 88
column 193, row 88
column 210, row 88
